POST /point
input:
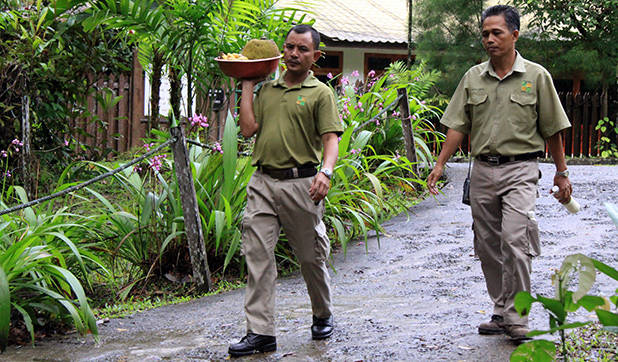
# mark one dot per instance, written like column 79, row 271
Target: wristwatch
column 564, row 173
column 327, row 172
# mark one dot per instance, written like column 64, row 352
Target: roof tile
column 379, row 21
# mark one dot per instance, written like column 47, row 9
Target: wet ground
column 417, row 297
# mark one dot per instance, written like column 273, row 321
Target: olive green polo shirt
column 291, row 122
column 506, row 117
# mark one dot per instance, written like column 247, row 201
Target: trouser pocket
column 532, row 232
column 322, row 243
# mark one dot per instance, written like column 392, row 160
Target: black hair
column 511, row 15
column 303, row 28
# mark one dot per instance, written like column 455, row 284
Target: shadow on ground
column 418, row 296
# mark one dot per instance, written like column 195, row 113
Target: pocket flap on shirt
column 476, row 97
column 524, row 99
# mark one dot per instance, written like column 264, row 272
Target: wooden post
column 137, row 129
column 90, row 122
column 595, row 134
column 408, row 132
column 123, row 113
column 585, row 137
column 576, row 126
column 193, row 224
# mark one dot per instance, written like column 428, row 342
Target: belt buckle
column 493, row 160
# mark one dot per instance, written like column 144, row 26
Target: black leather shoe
column 322, row 327
column 253, row 343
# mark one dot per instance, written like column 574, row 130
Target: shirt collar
column 310, row 81
column 518, row 66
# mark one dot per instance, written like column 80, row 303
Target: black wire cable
column 89, row 182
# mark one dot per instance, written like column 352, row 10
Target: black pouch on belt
column 465, row 198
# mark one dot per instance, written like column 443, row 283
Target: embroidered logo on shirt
column 301, row 100
column 526, row 86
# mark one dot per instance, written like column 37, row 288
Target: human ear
column 316, row 55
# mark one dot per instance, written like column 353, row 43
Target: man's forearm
column 554, row 143
column 246, row 117
column 330, row 143
column 453, row 140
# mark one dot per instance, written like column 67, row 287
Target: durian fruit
column 260, row 49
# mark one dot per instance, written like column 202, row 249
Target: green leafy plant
column 359, row 105
column 606, row 146
column 142, row 231
column 40, row 256
column 48, row 57
column 220, row 184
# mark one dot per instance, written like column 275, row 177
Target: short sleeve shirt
column 291, row 122
column 508, row 116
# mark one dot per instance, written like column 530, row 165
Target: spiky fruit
column 260, row 49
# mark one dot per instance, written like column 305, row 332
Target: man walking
column 509, row 107
column 295, row 119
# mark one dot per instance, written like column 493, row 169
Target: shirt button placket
column 495, row 124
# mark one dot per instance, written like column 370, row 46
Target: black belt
column 496, row 160
column 288, row 173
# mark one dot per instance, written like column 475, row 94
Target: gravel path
column 417, row 297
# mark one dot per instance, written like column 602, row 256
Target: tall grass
column 40, row 252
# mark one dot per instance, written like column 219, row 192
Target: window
column 329, row 62
column 379, row 62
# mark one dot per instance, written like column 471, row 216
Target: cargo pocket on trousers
column 242, row 237
column 532, row 231
column 322, row 243
column 475, row 241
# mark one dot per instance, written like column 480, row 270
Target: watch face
column 327, row 172
column 564, row 173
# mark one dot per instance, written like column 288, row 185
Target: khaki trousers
column 271, row 204
column 506, row 232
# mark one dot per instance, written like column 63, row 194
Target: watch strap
column 564, row 173
column 327, row 172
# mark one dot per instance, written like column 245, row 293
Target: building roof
column 373, row 21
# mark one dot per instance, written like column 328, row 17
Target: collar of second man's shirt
column 518, row 66
column 310, row 81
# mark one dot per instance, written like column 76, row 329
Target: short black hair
column 303, row 28
column 511, row 15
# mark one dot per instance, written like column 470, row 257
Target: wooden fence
column 110, row 125
column 584, row 111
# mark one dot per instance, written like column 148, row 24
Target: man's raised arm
column 246, row 118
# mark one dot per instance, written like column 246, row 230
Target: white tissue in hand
column 572, row 206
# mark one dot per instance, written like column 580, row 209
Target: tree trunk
column 155, row 89
column 175, row 93
column 26, row 155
